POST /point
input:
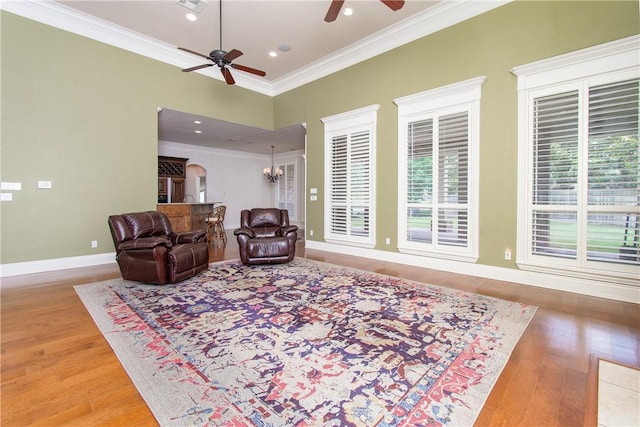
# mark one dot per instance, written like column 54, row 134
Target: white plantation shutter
column 287, row 190
column 350, row 184
column 613, row 175
column 453, row 170
column 339, row 184
column 349, row 150
column 359, row 180
column 555, row 170
column 420, row 181
column 579, row 164
column 438, row 137
column 587, row 137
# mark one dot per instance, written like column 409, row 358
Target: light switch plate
column 44, row 184
column 313, row 190
column 313, row 198
column 6, row 197
column 16, row 186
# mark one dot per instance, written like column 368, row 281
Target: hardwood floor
column 57, row 369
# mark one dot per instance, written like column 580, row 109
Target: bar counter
column 186, row 216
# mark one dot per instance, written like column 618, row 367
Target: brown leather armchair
column 265, row 236
column 148, row 251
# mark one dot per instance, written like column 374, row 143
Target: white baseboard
column 594, row 288
column 28, row 267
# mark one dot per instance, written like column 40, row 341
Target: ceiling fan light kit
column 223, row 59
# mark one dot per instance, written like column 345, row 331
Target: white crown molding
column 68, row 19
column 244, row 155
column 442, row 15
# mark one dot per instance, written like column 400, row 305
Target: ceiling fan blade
column 334, row 10
column 249, row 70
column 393, row 4
column 194, row 52
column 232, row 54
column 197, row 67
column 227, row 76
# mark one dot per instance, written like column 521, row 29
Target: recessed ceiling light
column 193, row 5
column 348, row 11
column 273, row 54
column 197, row 122
column 198, row 131
column 191, row 17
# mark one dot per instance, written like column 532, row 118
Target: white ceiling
column 156, row 28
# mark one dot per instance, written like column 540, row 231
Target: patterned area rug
column 307, row 343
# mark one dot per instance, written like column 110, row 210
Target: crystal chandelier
column 272, row 174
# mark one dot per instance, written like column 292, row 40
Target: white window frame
column 455, row 98
column 606, row 63
column 350, row 122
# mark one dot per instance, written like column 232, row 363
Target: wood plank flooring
column 57, row 369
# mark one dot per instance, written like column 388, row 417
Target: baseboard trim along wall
column 567, row 284
column 40, row 266
column 594, row 288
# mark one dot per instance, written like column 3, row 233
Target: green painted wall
column 488, row 45
column 83, row 115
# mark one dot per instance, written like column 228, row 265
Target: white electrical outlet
column 6, row 197
column 310, row 232
column 507, row 254
column 44, row 184
column 388, row 240
column 94, row 243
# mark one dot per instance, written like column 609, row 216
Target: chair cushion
column 264, row 218
column 268, row 247
column 271, row 231
column 188, row 256
column 145, row 224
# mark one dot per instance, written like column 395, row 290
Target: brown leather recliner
column 265, row 236
column 148, row 251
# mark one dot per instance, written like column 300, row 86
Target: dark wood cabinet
column 177, row 190
column 163, row 186
column 172, row 173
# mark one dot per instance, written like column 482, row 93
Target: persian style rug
column 306, row 344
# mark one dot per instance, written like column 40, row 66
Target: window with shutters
column 350, row 176
column 438, row 169
column 286, row 190
column 580, row 168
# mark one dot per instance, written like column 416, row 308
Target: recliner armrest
column 188, row 237
column 144, row 243
column 246, row 231
column 289, row 229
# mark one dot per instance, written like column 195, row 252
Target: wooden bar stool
column 215, row 225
